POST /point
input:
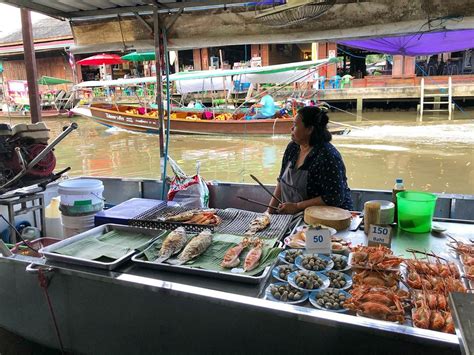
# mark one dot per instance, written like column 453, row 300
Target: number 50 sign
column 318, row 240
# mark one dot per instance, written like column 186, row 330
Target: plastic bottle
column 398, row 187
column 53, row 226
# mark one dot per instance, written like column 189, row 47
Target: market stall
column 155, row 308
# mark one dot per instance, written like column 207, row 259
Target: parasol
column 139, row 57
column 417, row 44
column 101, row 59
column 49, row 80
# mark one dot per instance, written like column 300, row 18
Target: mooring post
column 359, row 108
column 30, row 65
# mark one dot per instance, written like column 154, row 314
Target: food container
column 37, row 244
column 387, row 211
column 371, row 214
column 415, row 211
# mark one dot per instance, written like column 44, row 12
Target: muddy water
column 436, row 156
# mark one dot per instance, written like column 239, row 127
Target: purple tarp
column 417, row 44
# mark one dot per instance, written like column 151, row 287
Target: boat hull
column 23, row 114
column 117, row 117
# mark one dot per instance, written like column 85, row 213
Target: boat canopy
column 208, row 74
column 416, row 44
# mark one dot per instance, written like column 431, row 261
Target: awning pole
column 30, row 65
column 159, row 89
column 168, row 107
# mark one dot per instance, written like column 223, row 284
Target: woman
column 312, row 171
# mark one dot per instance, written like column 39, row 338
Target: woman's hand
column 288, row 208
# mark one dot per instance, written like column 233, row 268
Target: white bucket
column 73, row 225
column 81, row 196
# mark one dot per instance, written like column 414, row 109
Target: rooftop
column 46, row 29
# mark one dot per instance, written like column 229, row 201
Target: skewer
column 256, row 202
column 425, row 253
column 267, row 190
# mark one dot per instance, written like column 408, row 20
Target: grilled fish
column 174, row 242
column 181, row 217
column 195, row 247
column 258, row 224
column 188, row 215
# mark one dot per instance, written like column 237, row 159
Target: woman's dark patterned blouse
column 326, row 174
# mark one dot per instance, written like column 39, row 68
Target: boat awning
column 270, row 70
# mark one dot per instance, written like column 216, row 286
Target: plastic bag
column 189, row 191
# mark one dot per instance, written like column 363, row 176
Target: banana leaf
column 130, row 240
column 93, row 249
column 212, row 257
column 114, row 245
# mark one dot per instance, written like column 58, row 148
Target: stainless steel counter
column 462, row 308
column 140, row 310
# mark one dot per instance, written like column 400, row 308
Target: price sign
column 380, row 235
column 318, row 240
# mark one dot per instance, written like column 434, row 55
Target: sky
column 10, row 19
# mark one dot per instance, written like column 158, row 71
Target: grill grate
column 279, row 225
column 149, row 219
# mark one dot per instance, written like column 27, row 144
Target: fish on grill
column 174, row 242
column 207, row 218
column 195, row 216
column 181, row 217
column 259, row 223
column 195, row 247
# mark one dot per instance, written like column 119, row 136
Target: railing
column 223, row 195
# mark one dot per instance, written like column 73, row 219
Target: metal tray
column 138, row 258
column 49, row 253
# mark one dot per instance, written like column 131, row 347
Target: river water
column 435, row 156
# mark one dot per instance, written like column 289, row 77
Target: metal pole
column 30, row 65
column 159, row 87
column 168, row 107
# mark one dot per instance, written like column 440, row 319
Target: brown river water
column 436, row 156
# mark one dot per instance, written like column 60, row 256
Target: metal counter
column 135, row 310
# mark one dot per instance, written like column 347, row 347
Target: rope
column 43, row 281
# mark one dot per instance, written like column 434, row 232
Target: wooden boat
column 26, row 114
column 187, row 122
column 196, row 121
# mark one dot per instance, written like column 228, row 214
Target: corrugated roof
column 96, row 8
column 42, row 30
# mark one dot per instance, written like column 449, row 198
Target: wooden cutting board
column 334, row 217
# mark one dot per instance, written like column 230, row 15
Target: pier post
column 359, row 108
column 30, row 65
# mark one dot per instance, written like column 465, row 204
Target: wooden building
column 52, row 40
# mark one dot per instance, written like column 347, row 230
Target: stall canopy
column 139, row 57
column 416, row 44
column 49, row 80
column 101, row 59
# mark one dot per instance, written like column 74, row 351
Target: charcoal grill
column 151, row 219
column 279, row 224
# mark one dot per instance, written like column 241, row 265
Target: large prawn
column 253, row 257
column 231, row 257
